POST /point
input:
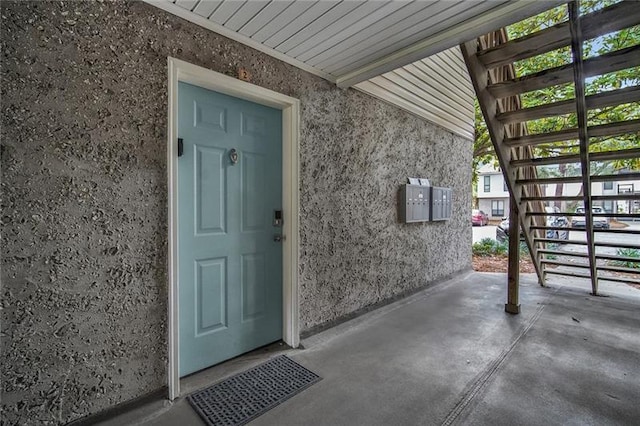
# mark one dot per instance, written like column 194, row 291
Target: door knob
column 278, row 238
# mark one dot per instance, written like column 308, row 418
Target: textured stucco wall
column 354, row 252
column 84, row 199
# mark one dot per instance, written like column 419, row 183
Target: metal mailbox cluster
column 421, row 203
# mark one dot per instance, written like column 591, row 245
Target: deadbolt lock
column 277, row 218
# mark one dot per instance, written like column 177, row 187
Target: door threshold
column 207, row 377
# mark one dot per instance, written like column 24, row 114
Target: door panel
column 253, row 287
column 253, row 125
column 210, row 115
column 211, row 181
column 230, row 267
column 254, row 216
column 211, row 284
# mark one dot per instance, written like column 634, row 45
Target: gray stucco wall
column 84, row 286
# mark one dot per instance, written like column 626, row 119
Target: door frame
column 179, row 70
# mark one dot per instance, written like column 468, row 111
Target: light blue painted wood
column 230, row 267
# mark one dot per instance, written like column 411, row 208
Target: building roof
column 489, row 169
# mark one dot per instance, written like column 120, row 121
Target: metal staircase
column 490, row 60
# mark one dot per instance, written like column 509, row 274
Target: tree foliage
column 483, row 149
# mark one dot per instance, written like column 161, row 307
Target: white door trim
column 183, row 71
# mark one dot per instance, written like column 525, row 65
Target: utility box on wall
column 441, row 200
column 415, row 203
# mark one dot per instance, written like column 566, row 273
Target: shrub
column 628, row 252
column 524, row 249
column 502, row 248
column 484, row 247
column 489, row 247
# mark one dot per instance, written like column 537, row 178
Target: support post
column 513, row 272
column 581, row 106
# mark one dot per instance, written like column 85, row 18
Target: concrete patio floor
column 450, row 355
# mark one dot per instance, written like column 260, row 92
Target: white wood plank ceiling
column 351, row 41
column 437, row 88
column 402, row 52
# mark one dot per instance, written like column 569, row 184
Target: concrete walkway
column 450, row 355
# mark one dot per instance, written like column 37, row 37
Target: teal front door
column 229, row 262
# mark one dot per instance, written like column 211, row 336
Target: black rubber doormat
column 239, row 399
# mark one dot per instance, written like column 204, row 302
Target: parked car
column 598, row 221
column 479, row 218
column 502, row 232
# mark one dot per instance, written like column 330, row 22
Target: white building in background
column 492, row 191
column 493, row 194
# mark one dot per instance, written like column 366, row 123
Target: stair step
column 610, row 178
column 560, row 159
column 610, row 62
column 553, row 198
column 549, row 180
column 569, row 214
column 622, row 196
column 586, row 266
column 609, row 129
column 586, row 255
column 616, row 245
column 617, row 258
column 617, row 231
column 554, row 228
column 619, row 269
column 599, row 100
column 618, row 279
column 562, row 253
column 555, row 240
column 567, row 273
column 599, row 230
column 612, row 18
column 588, row 276
column 575, row 158
column 559, row 263
column 578, row 179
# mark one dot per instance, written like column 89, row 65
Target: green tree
column 483, row 149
